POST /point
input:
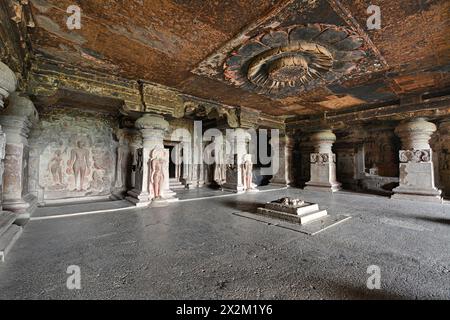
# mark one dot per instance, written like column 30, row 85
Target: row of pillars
column 151, row 174
column 417, row 180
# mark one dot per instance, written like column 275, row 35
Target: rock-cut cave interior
column 243, row 149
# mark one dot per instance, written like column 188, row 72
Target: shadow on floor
column 362, row 293
column 434, row 219
column 242, row 205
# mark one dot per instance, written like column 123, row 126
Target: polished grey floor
column 202, row 250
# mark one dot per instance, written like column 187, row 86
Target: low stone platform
column 299, row 212
column 293, row 210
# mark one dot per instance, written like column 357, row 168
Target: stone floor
column 202, row 249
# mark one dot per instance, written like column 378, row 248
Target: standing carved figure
column 79, row 164
column 219, row 162
column 55, row 168
column 156, row 168
column 247, row 174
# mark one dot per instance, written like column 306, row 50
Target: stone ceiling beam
column 432, row 108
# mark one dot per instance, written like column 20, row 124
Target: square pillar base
column 23, row 208
column 326, row 187
column 402, row 193
column 230, row 187
column 138, row 198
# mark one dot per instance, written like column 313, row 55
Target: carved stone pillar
column 122, row 179
column 135, row 144
column 284, row 174
column 417, row 181
column 323, row 163
column 152, row 168
column 185, row 155
column 235, row 168
column 9, row 232
column 17, row 120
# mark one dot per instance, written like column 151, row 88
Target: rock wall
column 72, row 155
column 440, row 143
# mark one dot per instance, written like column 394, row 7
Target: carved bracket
column 415, row 156
column 322, row 158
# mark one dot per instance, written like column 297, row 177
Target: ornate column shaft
column 196, row 173
column 417, row 181
column 323, row 163
column 135, row 144
column 17, row 120
column 9, row 232
column 284, row 174
column 152, row 164
column 122, row 179
column 239, row 162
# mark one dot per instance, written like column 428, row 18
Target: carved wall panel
column 75, row 154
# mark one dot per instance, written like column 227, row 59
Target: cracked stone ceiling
column 246, row 52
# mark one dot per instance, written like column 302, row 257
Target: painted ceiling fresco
column 283, row 57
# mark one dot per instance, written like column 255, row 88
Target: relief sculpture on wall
column 74, row 155
column 79, row 165
column 247, row 172
column 55, row 167
column 156, row 169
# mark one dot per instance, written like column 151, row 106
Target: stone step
column 310, row 217
column 301, row 219
column 6, row 219
column 310, row 208
column 8, row 239
column 305, row 209
column 176, row 185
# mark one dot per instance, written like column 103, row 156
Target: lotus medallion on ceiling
column 289, row 61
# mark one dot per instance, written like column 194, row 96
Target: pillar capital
column 152, row 121
column 153, row 128
column 8, row 82
column 18, row 118
column 323, row 140
column 415, row 134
